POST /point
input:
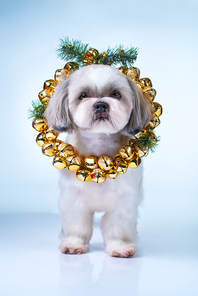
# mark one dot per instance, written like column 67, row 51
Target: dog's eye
column 116, row 95
column 83, row 96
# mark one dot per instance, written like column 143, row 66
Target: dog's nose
column 101, row 107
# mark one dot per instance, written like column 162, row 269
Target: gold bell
column 83, row 175
column 120, row 165
column 51, row 134
column 41, row 139
column 134, row 162
column 154, row 122
column 112, row 174
column 48, row 149
column 122, row 69
column 145, row 82
column 59, row 162
column 150, row 93
column 40, row 124
column 133, row 73
column 105, row 162
column 92, row 53
column 126, row 151
column 98, row 176
column 65, row 149
column 71, row 66
column 73, row 162
column 61, row 75
column 157, row 108
column 49, row 84
column 91, row 162
column 142, row 152
column 45, row 95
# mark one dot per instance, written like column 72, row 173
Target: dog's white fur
column 119, row 199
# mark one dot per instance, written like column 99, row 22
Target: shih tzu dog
column 101, row 109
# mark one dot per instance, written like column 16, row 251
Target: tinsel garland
column 64, row 155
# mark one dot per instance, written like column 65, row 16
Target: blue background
column 165, row 32
column 166, row 264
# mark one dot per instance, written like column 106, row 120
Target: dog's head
column 99, row 99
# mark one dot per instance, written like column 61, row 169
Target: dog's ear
column 141, row 111
column 57, row 112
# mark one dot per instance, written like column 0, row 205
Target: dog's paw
column 68, row 247
column 121, row 249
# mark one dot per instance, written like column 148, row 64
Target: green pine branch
column 72, row 50
column 127, row 58
column 146, row 141
column 37, row 110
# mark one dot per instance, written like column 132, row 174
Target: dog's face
column 98, row 99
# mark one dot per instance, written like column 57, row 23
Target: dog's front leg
column 119, row 229
column 77, row 223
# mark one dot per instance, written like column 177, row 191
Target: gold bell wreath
column 92, row 168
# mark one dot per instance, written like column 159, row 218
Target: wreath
column 65, row 155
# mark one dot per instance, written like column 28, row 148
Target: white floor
column 31, row 264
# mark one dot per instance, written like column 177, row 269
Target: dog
column 101, row 109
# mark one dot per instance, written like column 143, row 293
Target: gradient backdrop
column 165, row 32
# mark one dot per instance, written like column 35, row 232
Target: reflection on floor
column 31, row 263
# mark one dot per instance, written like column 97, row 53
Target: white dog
column 101, row 109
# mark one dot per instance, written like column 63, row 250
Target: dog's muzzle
column 101, row 110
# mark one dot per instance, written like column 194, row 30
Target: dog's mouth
column 101, row 116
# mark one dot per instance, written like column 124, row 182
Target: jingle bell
column 92, row 53
column 71, row 66
column 126, row 151
column 133, row 73
column 112, row 174
column 49, row 84
column 61, row 75
column 134, row 162
column 120, row 165
column 91, row 162
column 41, row 139
column 51, row 134
column 45, row 95
column 83, row 175
column 48, row 149
column 142, row 152
column 157, row 108
column 145, row 82
column 59, row 162
column 150, row 93
column 73, row 162
column 98, row 176
column 154, row 122
column 40, row 124
column 65, row 149
column 105, row 162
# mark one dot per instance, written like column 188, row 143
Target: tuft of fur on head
column 74, row 104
